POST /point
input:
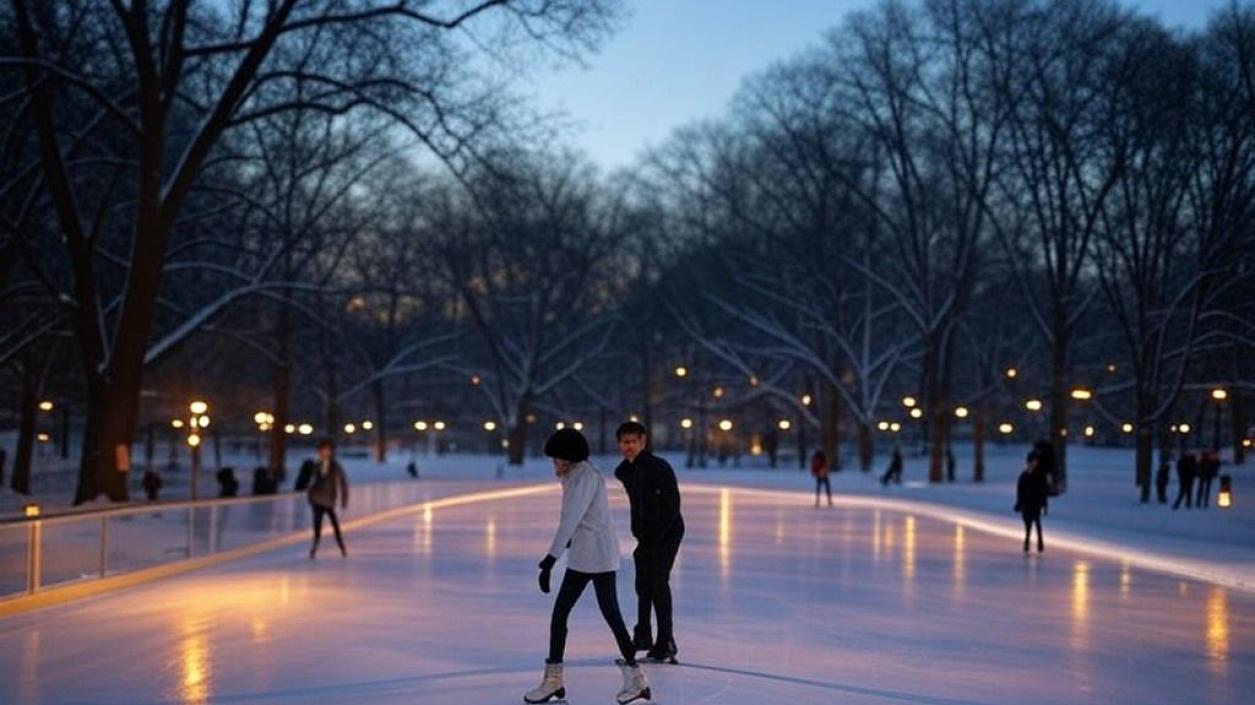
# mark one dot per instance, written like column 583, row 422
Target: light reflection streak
column 1218, row 631
column 725, row 534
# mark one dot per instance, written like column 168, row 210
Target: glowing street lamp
column 440, row 426
column 1012, row 373
column 1219, row 394
column 806, row 400
column 1006, row 428
column 908, row 401
column 725, row 425
column 1127, row 427
column 1033, row 405
column 45, row 406
column 681, row 371
column 1089, row 431
column 895, row 427
column 961, row 412
column 176, row 423
column 305, row 429
column 917, row 413
column 1224, row 500
column 1082, row 394
column 490, row 426
column 420, row 425
column 193, row 440
column 368, row 425
column 686, row 424
column 718, row 392
column 578, row 426
column 198, row 407
column 560, row 425
column 475, row 380
column 753, row 381
column 350, row 428
column 1183, row 429
column 260, row 418
column 289, row 428
column 883, row 426
column 30, row 511
column 43, row 437
column 203, row 422
column 784, row 424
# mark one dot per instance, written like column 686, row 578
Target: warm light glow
column 753, row 381
column 475, row 380
column 193, row 440
column 895, row 427
column 260, row 417
column 725, row 533
column 420, row 425
column 917, row 413
column 289, row 428
column 784, row 424
column 350, row 428
column 1033, row 405
column 43, row 437
column 1224, row 500
column 1012, row 373
column 305, row 429
column 725, row 425
column 368, row 425
column 30, row 511
column 1127, row 428
column 1184, row 428
column 1218, row 629
column 1089, row 431
column 908, row 401
column 578, row 426
column 961, row 412
column 45, row 406
column 560, row 425
column 263, row 427
column 1082, row 394
column 1246, row 443
column 718, row 392
column 681, row 371
column 177, row 423
column 440, row 425
column 490, row 426
column 1219, row 394
column 198, row 407
column 756, row 448
column 1111, row 368
column 806, row 400
column 883, row 425
column 1005, row 428
column 686, row 423
column 204, row 422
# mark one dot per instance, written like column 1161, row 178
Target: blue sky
column 675, row 61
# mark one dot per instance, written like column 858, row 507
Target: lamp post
column 197, row 420
column 1218, row 395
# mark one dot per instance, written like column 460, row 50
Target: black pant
column 653, row 587
column 1031, row 519
column 1204, row 491
column 335, row 524
column 826, row 485
column 1185, row 492
column 573, row 584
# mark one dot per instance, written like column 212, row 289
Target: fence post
column 104, row 545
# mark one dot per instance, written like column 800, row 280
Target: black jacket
column 325, row 489
column 1031, row 493
column 654, row 496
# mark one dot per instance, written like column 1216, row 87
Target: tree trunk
column 64, row 435
column 979, row 426
column 281, row 391
column 1060, row 396
column 1237, row 423
column 829, row 431
column 1145, row 445
column 933, row 404
column 26, row 431
column 517, row 451
column 381, row 422
column 866, row 446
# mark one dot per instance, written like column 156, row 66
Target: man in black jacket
column 658, row 527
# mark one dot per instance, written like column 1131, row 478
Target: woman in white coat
column 585, row 528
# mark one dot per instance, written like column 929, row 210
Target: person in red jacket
column 820, row 471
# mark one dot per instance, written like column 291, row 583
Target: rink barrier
column 1236, row 578
column 37, row 596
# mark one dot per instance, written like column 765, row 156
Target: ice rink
column 777, row 602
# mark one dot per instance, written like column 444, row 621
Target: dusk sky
column 676, row 61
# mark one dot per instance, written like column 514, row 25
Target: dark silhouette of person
column 893, row 473
column 1032, row 496
column 264, row 481
column 949, row 465
column 412, row 469
column 1187, row 470
column 327, row 485
column 306, row 474
column 228, row 486
column 152, row 484
column 1208, row 469
column 1044, row 453
column 820, row 471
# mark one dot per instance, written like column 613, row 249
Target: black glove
column 546, row 565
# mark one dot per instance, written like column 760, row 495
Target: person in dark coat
column 305, row 474
column 152, row 484
column 1208, row 469
column 820, row 471
column 326, row 486
column 1187, row 470
column 1163, row 475
column 1032, row 495
column 893, row 473
column 1044, row 453
column 658, row 526
column 228, row 486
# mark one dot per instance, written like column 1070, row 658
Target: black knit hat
column 567, row 444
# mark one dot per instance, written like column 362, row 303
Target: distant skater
column 1208, row 469
column 1032, row 494
column 326, row 485
column 1187, row 469
column 894, row 472
column 820, row 471
column 1163, row 475
column 585, row 527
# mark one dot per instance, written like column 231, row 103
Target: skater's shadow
column 838, row 687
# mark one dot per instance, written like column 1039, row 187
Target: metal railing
column 42, row 552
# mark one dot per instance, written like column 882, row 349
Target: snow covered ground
column 777, row 602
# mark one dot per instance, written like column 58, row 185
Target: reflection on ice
column 725, row 534
column 194, row 649
column 960, row 559
column 1217, row 631
column 1080, row 604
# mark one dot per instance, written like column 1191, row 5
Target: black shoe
column 641, row 640
column 663, row 652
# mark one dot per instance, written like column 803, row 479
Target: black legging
column 826, row 485
column 1030, row 519
column 653, row 587
column 1204, row 491
column 1185, row 492
column 335, row 524
column 573, row 584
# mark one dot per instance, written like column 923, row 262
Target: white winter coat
column 586, row 522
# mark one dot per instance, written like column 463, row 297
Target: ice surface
column 776, row 603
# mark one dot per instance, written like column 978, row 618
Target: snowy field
column 777, row 602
